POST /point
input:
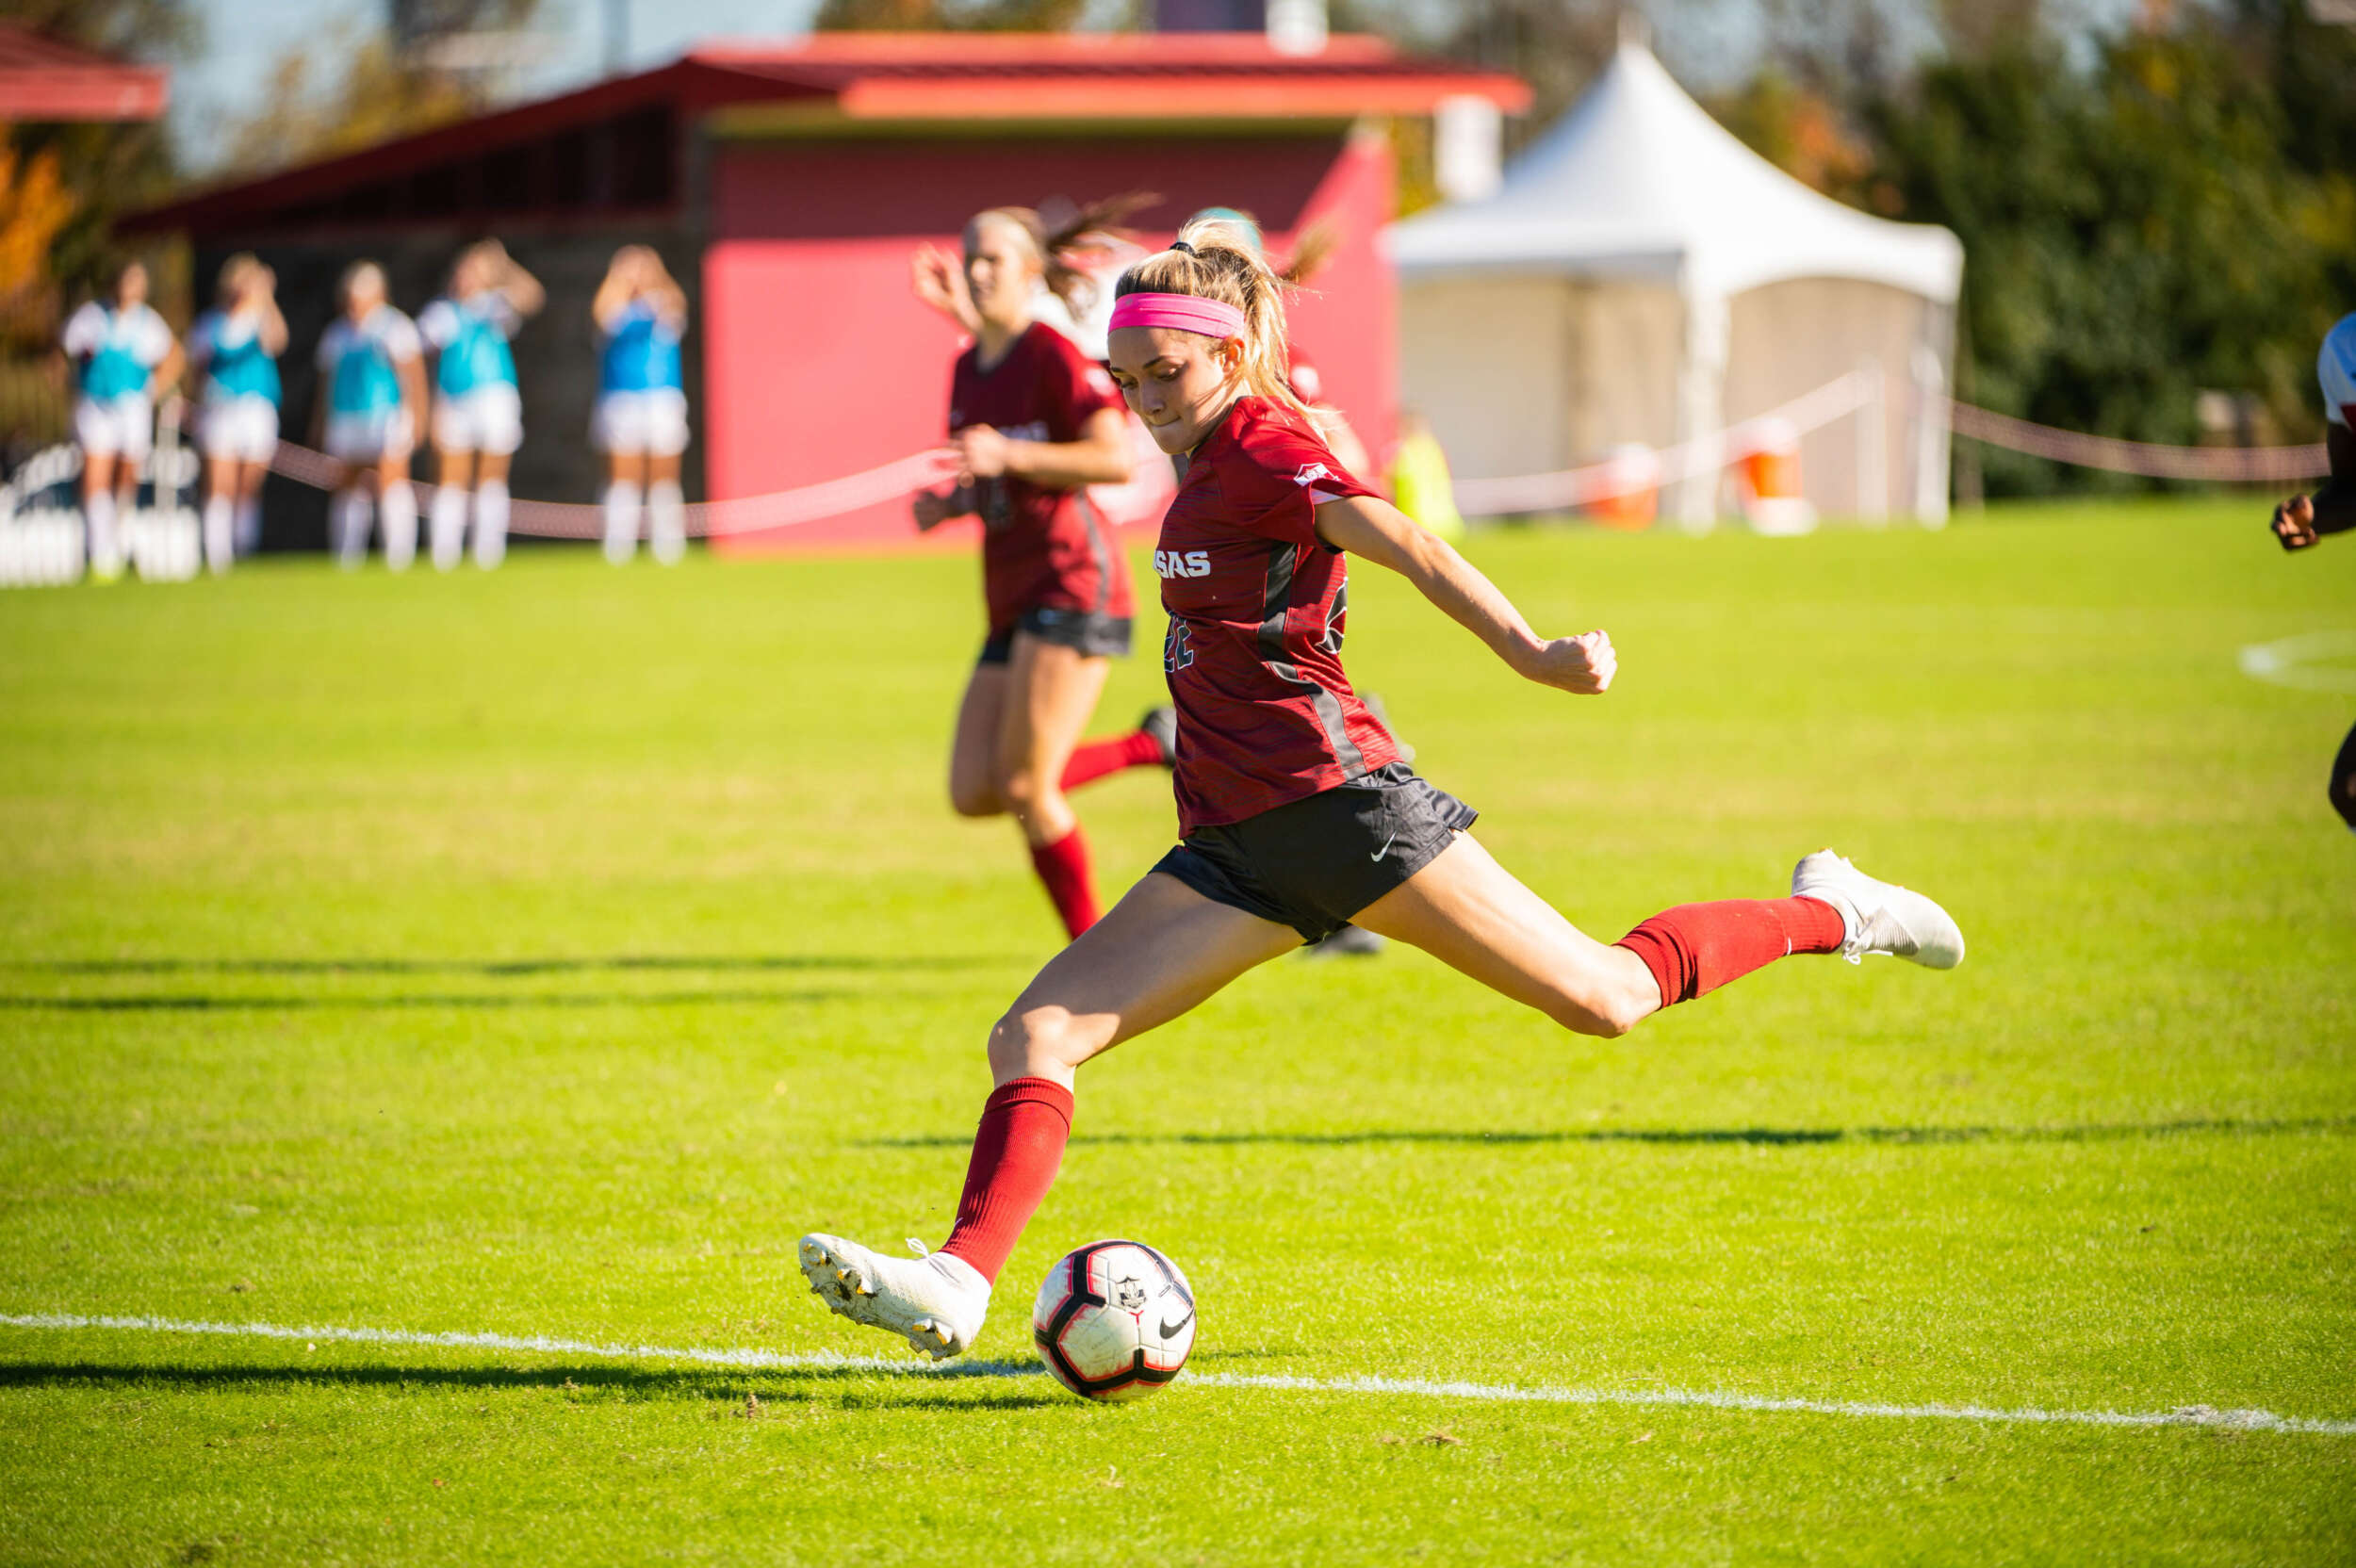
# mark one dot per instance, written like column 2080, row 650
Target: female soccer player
column 1033, row 422
column 127, row 358
column 641, row 421
column 371, row 403
column 477, row 412
column 2304, row 519
column 1294, row 811
column 235, row 346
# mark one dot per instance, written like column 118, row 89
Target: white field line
column 2184, row 1416
column 2316, row 661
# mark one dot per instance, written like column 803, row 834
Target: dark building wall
column 556, row 352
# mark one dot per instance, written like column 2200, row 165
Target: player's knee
column 1029, row 1041
column 1019, row 786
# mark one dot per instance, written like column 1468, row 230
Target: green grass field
column 540, row 954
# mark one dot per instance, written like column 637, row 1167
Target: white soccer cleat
column 934, row 1301
column 1879, row 917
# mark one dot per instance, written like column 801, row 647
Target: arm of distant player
column 1381, row 532
column 2304, row 519
column 1101, row 456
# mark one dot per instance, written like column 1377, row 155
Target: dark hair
column 1059, row 229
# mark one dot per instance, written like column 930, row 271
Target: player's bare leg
column 973, row 748
column 1475, row 916
column 1161, row 951
column 1051, row 691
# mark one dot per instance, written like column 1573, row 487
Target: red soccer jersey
column 1257, row 606
column 1039, row 546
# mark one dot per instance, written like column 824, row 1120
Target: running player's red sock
column 1696, row 948
column 1064, row 867
column 1096, row 759
column 1017, row 1150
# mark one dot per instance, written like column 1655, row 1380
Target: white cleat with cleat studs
column 1880, row 917
column 934, row 1301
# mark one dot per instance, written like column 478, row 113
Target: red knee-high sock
column 1064, row 867
column 1093, row 759
column 1016, row 1150
column 1696, row 948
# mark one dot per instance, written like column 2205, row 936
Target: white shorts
column 244, row 429
column 487, row 419
column 652, row 423
column 359, row 438
column 115, row 427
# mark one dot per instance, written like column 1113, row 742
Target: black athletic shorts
column 1098, row 636
column 1313, row 864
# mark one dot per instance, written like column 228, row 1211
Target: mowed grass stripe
column 2183, row 1416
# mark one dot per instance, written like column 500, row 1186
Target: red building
column 787, row 185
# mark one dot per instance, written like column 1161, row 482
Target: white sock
column 398, row 513
column 348, row 526
column 621, row 521
column 490, row 523
column 248, row 537
column 220, row 541
column 449, row 526
column 105, row 550
column 666, row 515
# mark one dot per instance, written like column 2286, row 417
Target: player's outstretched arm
column 1381, row 532
column 2304, row 519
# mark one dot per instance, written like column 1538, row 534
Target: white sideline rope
column 2220, row 465
column 2184, row 1416
column 1615, row 477
column 705, row 519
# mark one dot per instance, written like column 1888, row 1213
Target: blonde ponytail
column 1215, row 259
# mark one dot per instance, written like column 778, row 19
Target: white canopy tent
column 1642, row 276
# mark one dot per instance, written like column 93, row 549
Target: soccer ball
column 1114, row 1320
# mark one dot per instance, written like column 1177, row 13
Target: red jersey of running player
column 1257, row 606
column 1041, row 547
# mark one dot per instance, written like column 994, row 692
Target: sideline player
column 127, row 358
column 641, row 418
column 1295, row 811
column 2304, row 519
column 372, row 402
column 235, row 346
column 478, row 412
column 1033, row 422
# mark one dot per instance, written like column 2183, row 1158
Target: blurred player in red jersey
column 1295, row 811
column 2304, row 519
column 1033, row 422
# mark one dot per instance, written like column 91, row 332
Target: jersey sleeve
column 437, row 323
column 84, row 330
column 154, row 344
column 500, row 312
column 401, row 338
column 1277, row 476
column 2336, row 368
column 202, row 337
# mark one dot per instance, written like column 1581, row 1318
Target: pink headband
column 1185, row 311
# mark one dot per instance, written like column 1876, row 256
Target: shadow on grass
column 2091, row 1132
column 525, row 998
column 591, row 1384
column 501, row 969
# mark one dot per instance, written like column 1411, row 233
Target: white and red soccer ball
column 1114, row 1320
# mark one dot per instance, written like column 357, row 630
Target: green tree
column 2133, row 233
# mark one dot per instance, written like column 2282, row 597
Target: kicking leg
column 1468, row 911
column 1161, row 950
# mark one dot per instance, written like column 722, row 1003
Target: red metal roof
column 42, row 79
column 851, row 78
